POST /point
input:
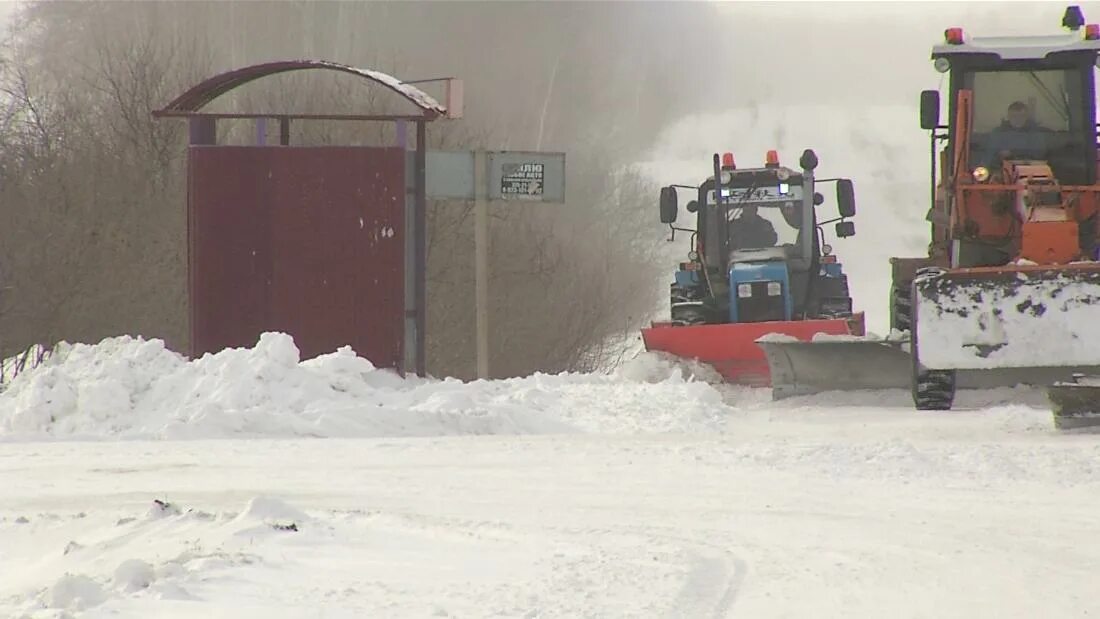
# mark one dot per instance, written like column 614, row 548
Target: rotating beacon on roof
column 758, row 265
column 1009, row 292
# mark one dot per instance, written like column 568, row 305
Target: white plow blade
column 1017, row 319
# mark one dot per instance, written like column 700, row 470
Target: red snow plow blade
column 731, row 349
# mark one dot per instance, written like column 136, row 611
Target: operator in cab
column 1017, row 137
column 751, row 231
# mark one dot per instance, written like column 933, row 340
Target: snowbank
column 136, row 388
column 655, row 367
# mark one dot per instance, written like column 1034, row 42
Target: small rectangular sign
column 528, row 176
column 522, row 180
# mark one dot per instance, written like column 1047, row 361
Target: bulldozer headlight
column 744, row 291
column 981, row 174
column 693, row 255
column 774, row 288
column 942, row 65
column 782, row 174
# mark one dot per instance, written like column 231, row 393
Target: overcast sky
column 6, row 7
column 873, row 52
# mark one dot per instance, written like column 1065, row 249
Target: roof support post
column 284, row 131
column 421, row 233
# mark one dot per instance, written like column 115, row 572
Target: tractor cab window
column 1028, row 115
column 766, row 217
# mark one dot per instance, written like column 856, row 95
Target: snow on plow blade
column 1075, row 405
column 732, row 349
column 1008, row 317
column 805, row 368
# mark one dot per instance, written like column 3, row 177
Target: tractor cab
column 1022, row 123
column 757, row 214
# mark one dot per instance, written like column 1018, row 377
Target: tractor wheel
column 839, row 286
column 834, row 287
column 685, row 317
column 933, row 390
column 834, row 298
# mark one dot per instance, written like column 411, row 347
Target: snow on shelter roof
column 206, row 91
column 1019, row 47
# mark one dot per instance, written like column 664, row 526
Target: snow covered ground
column 134, row 484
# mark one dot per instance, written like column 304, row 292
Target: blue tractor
column 759, row 265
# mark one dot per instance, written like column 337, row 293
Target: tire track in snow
column 711, row 588
column 712, row 577
column 714, row 582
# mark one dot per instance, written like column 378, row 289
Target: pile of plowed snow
column 131, row 387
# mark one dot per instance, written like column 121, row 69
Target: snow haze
column 254, row 484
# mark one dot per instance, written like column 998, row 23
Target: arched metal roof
column 206, row 91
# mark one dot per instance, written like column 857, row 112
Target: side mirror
column 929, row 109
column 668, row 205
column 692, row 206
column 845, row 229
column 845, row 198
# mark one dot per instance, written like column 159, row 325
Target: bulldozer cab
column 1035, row 114
column 1029, row 98
column 1013, row 102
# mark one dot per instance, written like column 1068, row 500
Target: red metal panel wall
column 304, row 240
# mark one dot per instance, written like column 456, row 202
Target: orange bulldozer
column 1009, row 292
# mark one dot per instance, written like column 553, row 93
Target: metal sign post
column 481, row 261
